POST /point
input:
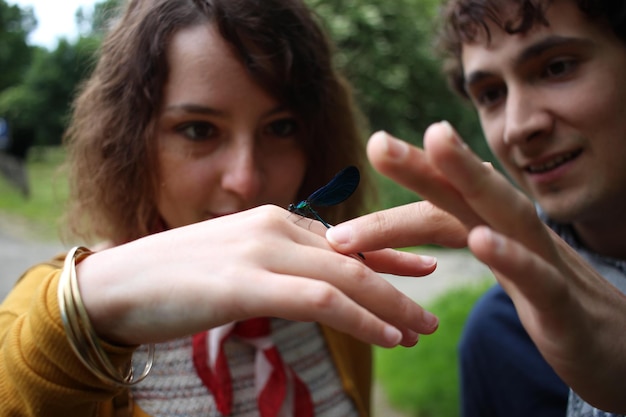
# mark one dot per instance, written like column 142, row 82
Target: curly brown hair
column 463, row 21
column 110, row 139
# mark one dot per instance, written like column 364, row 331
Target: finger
column 360, row 283
column 385, row 261
column 390, row 261
column 535, row 285
column 410, row 167
column 313, row 300
column 489, row 194
column 410, row 225
column 521, row 272
column 320, row 301
column 312, row 225
column 547, row 295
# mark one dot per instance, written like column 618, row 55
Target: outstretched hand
column 260, row 262
column 574, row 316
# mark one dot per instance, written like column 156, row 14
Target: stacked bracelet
column 81, row 334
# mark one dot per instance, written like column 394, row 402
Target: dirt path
column 20, row 248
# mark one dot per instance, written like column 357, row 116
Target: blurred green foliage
column 37, row 85
column 15, row 55
column 384, row 48
column 386, row 51
column 37, row 108
column 423, row 381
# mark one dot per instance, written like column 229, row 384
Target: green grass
column 40, row 212
column 423, row 381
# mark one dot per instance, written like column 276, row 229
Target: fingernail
column 339, row 235
column 392, row 335
column 452, row 133
column 395, row 148
column 428, row 261
column 412, row 338
column 497, row 241
column 431, row 320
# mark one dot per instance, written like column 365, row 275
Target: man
column 547, row 80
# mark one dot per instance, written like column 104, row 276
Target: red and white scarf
column 279, row 390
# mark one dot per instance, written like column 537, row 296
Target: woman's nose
column 242, row 174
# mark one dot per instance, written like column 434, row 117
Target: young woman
column 200, row 123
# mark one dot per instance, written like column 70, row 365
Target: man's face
column 552, row 104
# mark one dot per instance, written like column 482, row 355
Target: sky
column 55, row 19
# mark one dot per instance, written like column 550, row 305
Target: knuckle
column 323, row 295
column 268, row 217
column 268, row 212
column 525, row 211
column 379, row 222
column 356, row 270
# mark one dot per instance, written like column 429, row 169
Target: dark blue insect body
column 336, row 191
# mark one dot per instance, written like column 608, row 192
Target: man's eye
column 489, row 96
column 560, row 68
column 283, row 127
column 197, row 131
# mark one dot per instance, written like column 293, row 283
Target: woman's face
column 224, row 144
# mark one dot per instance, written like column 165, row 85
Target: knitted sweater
column 41, row 376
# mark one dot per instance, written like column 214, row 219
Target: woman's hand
column 261, row 262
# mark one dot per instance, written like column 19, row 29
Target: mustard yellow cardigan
column 41, row 376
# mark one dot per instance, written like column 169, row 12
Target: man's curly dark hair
column 462, row 21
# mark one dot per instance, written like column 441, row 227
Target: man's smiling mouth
column 552, row 163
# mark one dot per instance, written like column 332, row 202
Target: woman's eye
column 283, row 127
column 197, row 131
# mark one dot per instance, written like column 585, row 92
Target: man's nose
column 526, row 116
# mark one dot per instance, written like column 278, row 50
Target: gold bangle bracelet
column 81, row 334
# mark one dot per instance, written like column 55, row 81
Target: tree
column 36, row 103
column 15, row 54
column 385, row 49
column 39, row 106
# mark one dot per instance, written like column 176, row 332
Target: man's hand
column 574, row 316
